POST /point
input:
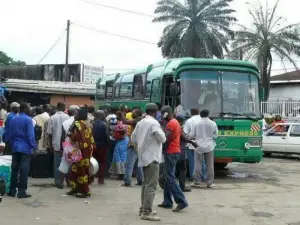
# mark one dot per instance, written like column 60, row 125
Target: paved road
column 265, row 193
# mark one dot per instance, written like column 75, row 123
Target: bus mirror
column 173, row 89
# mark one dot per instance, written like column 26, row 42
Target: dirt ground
column 264, row 193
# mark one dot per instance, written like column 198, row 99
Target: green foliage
column 5, row 60
column 267, row 39
column 197, row 28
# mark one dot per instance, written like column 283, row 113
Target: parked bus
column 229, row 89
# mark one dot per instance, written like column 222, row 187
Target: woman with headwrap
column 117, row 166
column 81, row 135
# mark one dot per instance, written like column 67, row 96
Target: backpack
column 38, row 132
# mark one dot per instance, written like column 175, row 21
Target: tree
column 268, row 38
column 5, row 60
column 197, row 28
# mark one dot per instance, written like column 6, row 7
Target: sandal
column 84, row 195
column 72, row 192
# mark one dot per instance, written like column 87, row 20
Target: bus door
column 155, row 91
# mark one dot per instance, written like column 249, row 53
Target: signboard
column 91, row 74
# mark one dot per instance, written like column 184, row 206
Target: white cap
column 73, row 107
column 14, row 105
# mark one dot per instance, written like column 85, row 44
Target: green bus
column 229, row 89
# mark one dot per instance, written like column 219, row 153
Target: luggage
column 5, row 172
column 41, row 165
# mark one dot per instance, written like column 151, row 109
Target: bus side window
column 126, row 86
column 155, row 73
column 138, row 86
column 100, row 92
column 155, row 91
column 117, row 87
column 109, row 90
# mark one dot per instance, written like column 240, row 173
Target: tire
column 220, row 166
column 267, row 154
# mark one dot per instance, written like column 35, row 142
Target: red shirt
column 174, row 145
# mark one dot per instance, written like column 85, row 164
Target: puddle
column 34, row 204
column 262, row 214
column 238, row 175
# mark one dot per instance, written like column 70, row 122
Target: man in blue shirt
column 158, row 114
column 15, row 108
column 22, row 139
column 101, row 137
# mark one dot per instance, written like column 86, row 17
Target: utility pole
column 241, row 55
column 67, row 53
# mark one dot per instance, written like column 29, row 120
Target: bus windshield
column 228, row 94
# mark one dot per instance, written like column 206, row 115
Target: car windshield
column 236, row 92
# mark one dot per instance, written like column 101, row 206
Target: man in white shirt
column 54, row 130
column 40, row 119
column 205, row 133
column 148, row 137
column 71, row 112
column 188, row 128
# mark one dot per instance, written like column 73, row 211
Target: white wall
column 285, row 92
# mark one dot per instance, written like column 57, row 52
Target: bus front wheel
column 220, row 166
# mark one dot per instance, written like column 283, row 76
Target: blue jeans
column 191, row 158
column 204, row 169
column 171, row 186
column 191, row 162
column 58, row 178
column 19, row 173
column 130, row 162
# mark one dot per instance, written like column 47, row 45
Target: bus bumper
column 249, row 156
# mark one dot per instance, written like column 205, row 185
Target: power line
column 119, row 9
column 284, row 69
column 120, row 69
column 285, row 60
column 61, row 36
column 117, row 35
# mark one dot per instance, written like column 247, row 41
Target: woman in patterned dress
column 117, row 166
column 81, row 134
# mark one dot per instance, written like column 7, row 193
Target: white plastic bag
column 64, row 166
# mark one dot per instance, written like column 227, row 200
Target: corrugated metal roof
column 290, row 76
column 55, row 87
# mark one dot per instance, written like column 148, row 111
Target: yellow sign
column 237, row 133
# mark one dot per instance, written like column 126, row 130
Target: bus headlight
column 247, row 145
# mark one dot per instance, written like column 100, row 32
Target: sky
column 30, row 27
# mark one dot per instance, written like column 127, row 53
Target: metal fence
column 282, row 108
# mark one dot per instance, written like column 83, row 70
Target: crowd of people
column 152, row 143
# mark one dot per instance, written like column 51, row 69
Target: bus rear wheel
column 220, row 166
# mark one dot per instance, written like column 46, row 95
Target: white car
column 282, row 138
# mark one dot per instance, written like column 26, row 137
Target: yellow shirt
column 130, row 128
